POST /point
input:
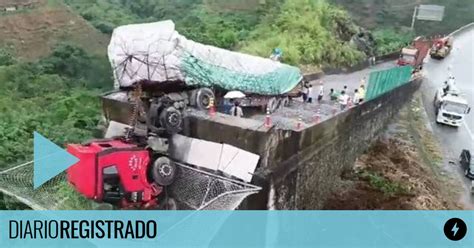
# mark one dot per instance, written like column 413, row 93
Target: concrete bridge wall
column 298, row 169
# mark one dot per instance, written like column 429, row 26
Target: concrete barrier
column 463, row 29
column 297, row 169
column 305, row 165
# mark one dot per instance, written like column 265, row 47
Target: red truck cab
column 115, row 172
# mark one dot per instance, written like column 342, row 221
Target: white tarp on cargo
column 214, row 156
column 156, row 53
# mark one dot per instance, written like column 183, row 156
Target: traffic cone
column 268, row 119
column 212, row 108
column 318, row 116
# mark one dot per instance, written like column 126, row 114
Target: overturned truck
column 143, row 162
column 171, row 72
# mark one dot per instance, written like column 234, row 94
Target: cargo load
column 155, row 53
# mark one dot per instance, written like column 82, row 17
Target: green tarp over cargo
column 156, row 53
column 200, row 73
column 381, row 82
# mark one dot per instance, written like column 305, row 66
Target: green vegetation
column 309, row 32
column 105, row 15
column 71, row 199
column 390, row 19
column 387, row 187
column 429, row 147
column 193, row 18
column 391, row 40
column 379, row 14
column 6, row 57
column 56, row 96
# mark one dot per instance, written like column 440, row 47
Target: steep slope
column 388, row 13
column 31, row 33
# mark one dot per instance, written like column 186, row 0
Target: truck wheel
column 285, row 102
column 163, row 171
column 172, row 120
column 203, row 98
column 272, row 105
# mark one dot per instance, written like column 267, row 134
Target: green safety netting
column 381, row 82
column 201, row 73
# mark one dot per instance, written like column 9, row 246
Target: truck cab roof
column 409, row 51
column 455, row 99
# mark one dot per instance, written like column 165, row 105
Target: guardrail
column 462, row 29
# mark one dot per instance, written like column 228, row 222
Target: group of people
column 449, row 85
column 342, row 97
column 308, row 92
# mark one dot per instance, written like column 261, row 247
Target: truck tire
column 279, row 103
column 272, row 105
column 285, row 102
column 171, row 120
column 163, row 171
column 202, row 98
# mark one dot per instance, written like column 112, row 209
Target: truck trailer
column 175, row 72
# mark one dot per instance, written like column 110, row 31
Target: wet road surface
column 452, row 139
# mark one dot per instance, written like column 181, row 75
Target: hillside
column 33, row 32
column 376, row 14
column 310, row 32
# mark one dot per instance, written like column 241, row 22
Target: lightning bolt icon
column 455, row 229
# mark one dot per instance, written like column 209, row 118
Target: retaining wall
column 298, row 169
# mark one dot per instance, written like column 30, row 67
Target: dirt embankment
column 401, row 171
column 33, row 32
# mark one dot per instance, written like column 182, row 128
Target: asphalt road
column 453, row 140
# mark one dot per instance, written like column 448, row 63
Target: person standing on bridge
column 305, row 92
column 361, row 91
column 310, row 93
column 334, row 95
column 343, row 100
column 236, row 110
column 321, row 91
column 357, row 98
column 345, row 89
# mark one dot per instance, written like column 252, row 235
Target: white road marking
column 468, row 131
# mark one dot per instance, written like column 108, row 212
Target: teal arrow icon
column 49, row 160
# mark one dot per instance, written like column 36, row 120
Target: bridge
column 308, row 147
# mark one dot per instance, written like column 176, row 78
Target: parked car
column 467, row 164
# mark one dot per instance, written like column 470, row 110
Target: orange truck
column 441, row 47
